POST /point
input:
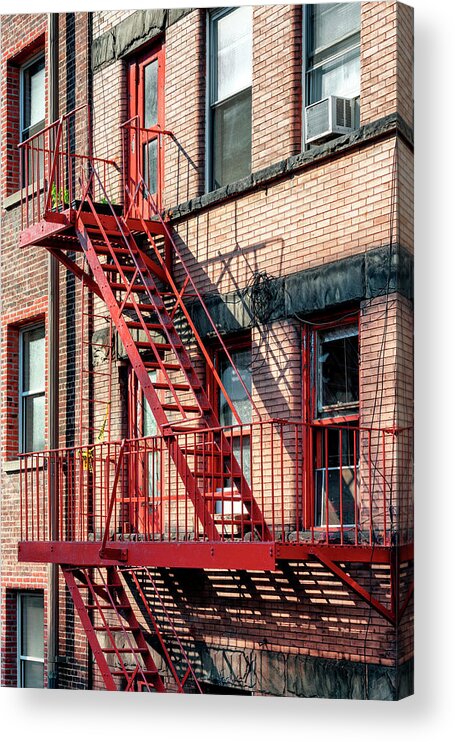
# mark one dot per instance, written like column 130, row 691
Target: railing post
column 106, row 553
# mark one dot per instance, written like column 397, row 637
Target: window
column 145, row 511
column 32, row 98
column 31, row 388
column 30, row 640
column 146, row 102
column 337, row 371
column 333, row 52
column 32, row 115
column 230, row 76
column 238, row 394
column 333, row 413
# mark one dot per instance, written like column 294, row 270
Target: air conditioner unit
column 329, row 117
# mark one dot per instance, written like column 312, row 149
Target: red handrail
column 356, row 501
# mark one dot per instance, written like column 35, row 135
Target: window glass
column 336, row 477
column 32, row 614
column 33, row 99
column 149, row 426
column 34, row 427
column 232, row 139
column 333, row 58
column 337, row 369
column 151, row 94
column 153, row 463
column 230, row 97
column 331, row 22
column 339, row 76
column 33, row 343
column 31, row 396
column 233, row 52
column 30, row 640
column 150, row 160
column 234, row 388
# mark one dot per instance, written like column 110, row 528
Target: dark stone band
column 131, row 33
column 376, row 272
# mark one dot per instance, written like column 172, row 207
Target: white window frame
column 29, row 393
column 210, row 78
column 24, row 658
column 306, row 69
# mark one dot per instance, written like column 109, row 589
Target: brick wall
column 277, row 82
column 332, row 208
column 24, row 300
column 185, row 108
column 23, row 36
column 386, row 61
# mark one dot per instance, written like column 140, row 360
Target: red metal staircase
column 123, row 655
column 126, row 278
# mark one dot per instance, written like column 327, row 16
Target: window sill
column 15, row 199
column 14, row 467
column 11, row 201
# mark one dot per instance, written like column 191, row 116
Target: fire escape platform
column 56, row 224
column 205, row 554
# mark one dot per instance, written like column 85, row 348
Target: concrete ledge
column 14, row 467
column 390, row 125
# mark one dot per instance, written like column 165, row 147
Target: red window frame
column 316, row 427
column 136, row 108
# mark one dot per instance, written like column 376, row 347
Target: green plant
column 59, row 196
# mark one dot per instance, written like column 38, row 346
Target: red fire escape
column 179, row 498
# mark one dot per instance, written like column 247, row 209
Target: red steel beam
column 203, row 555
column 336, row 552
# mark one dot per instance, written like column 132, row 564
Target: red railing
column 52, row 176
column 314, row 484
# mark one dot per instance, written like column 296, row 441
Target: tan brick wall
column 277, row 80
column 185, row 108
column 386, row 61
column 110, row 110
column 105, row 20
column 327, row 212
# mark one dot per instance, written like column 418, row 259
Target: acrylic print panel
column 209, row 408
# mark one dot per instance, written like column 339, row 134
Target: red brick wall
column 22, row 37
column 24, row 299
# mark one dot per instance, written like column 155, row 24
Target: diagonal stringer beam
column 354, row 585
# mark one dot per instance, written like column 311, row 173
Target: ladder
column 123, row 655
